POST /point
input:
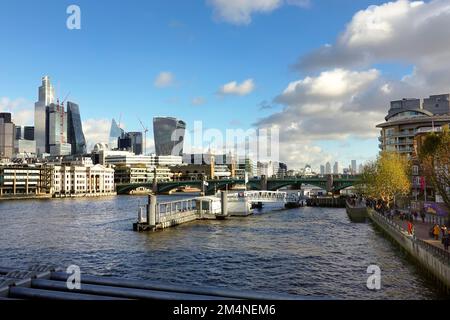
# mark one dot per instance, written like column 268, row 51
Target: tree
column 386, row 178
column 434, row 155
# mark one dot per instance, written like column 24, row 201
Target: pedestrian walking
column 447, row 241
column 436, row 231
column 410, row 228
column 422, row 215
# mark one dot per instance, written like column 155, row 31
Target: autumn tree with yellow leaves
column 386, row 179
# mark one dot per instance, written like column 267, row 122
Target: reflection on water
column 306, row 251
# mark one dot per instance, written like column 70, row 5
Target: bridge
column 329, row 183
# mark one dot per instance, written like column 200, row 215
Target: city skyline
column 288, row 91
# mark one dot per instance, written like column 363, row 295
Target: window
column 415, row 170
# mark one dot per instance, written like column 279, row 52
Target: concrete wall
column 431, row 261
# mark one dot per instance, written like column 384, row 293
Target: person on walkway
column 410, row 228
column 436, row 231
column 422, row 215
column 447, row 240
column 444, row 232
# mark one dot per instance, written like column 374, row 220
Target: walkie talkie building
column 168, row 133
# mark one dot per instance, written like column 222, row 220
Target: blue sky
column 110, row 65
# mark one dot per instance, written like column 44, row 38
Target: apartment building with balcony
column 407, row 117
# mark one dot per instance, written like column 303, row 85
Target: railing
column 169, row 208
column 258, row 196
column 440, row 253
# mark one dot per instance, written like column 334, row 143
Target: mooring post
column 151, row 210
column 224, row 202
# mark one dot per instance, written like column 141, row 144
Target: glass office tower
column 46, row 97
column 169, row 136
column 114, row 134
column 75, row 135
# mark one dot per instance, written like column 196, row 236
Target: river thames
column 305, row 251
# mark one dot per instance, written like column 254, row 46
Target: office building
column 131, row 141
column 18, row 133
column 327, row 168
column 114, row 134
column 56, row 131
column 406, row 117
column 75, row 135
column 322, row 169
column 354, row 168
column 169, row 136
column 24, row 148
column 336, row 168
column 28, row 133
column 82, row 180
column 46, row 97
column 7, row 135
column 19, row 180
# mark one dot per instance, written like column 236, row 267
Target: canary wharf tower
column 46, row 97
column 169, row 136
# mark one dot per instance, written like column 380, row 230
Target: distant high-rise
column 327, row 168
column 322, row 169
column 7, row 135
column 46, row 97
column 336, row 168
column 169, row 136
column 114, row 134
column 354, row 167
column 75, row 135
column 131, row 141
column 28, row 133
column 18, row 135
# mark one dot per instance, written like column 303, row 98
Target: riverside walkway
column 421, row 231
column 429, row 253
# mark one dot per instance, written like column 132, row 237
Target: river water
column 305, row 251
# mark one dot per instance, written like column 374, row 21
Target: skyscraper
column 336, row 168
column 56, row 131
column 46, row 97
column 169, row 136
column 28, row 133
column 7, row 135
column 18, row 134
column 322, row 169
column 114, row 134
column 131, row 141
column 354, row 167
column 75, row 135
column 328, row 168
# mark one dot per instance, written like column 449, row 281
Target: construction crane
column 65, row 99
column 145, row 136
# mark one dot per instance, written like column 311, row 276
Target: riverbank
column 55, row 196
column 434, row 260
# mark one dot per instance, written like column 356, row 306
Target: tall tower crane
column 145, row 136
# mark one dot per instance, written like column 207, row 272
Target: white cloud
column 405, row 31
column 198, row 101
column 96, row 131
column 338, row 100
column 239, row 12
column 164, row 79
column 21, row 109
column 234, row 88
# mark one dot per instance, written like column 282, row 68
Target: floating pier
column 161, row 215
